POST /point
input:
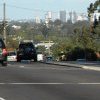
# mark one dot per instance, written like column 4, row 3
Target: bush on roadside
column 80, row 53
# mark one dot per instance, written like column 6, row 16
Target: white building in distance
column 16, row 27
column 37, row 20
column 81, row 18
column 48, row 17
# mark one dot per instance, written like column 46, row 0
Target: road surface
column 38, row 81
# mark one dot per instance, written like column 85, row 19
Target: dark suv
column 3, row 53
column 26, row 51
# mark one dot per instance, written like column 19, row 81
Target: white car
column 12, row 56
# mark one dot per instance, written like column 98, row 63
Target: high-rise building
column 71, row 16
column 48, row 17
column 75, row 17
column 37, row 20
column 63, row 16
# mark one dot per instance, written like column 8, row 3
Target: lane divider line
column 49, row 83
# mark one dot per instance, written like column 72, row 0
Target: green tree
column 95, row 27
column 97, row 30
column 11, row 43
column 82, row 38
column 91, row 9
column 86, row 38
column 94, row 7
column 44, row 30
column 1, row 26
column 64, row 46
column 41, row 49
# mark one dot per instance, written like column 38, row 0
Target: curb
column 65, row 64
column 74, row 65
column 91, row 68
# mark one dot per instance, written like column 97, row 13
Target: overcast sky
column 24, row 9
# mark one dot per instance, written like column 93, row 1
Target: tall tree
column 94, row 7
column 96, row 24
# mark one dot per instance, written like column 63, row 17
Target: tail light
column 4, row 52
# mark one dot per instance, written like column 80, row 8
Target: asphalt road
column 38, row 81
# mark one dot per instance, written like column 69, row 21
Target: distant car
column 12, row 56
column 3, row 53
column 26, row 51
column 49, row 58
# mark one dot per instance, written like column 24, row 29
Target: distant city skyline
column 21, row 9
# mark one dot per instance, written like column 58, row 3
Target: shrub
column 80, row 53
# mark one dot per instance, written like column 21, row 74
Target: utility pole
column 4, row 22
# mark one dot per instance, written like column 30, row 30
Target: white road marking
column 50, row 83
column 90, row 83
column 21, row 66
column 37, row 83
column 2, row 98
column 2, row 83
column 91, row 68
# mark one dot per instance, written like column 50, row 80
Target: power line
column 29, row 9
column 38, row 10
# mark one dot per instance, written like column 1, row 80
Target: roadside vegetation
column 80, row 40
